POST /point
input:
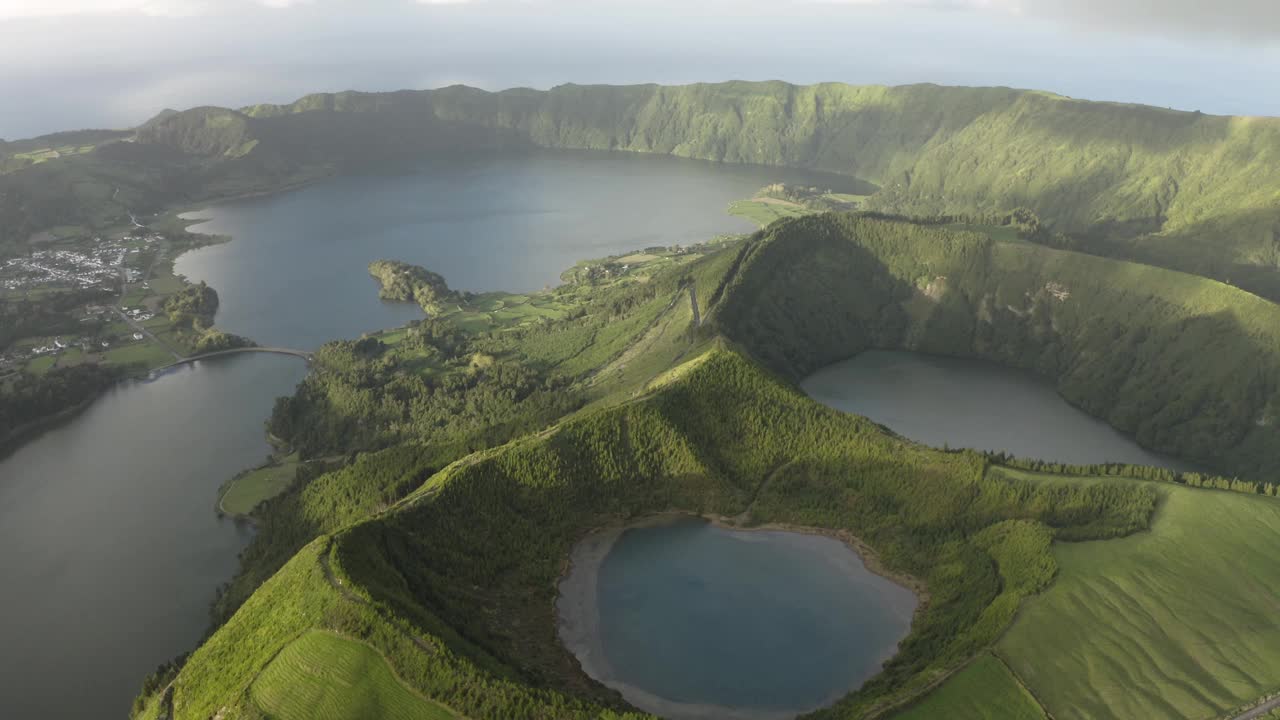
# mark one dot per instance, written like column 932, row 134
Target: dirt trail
column 743, row 516
column 350, row 596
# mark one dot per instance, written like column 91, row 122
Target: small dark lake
column 973, row 404
column 690, row 620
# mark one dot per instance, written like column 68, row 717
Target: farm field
column 143, row 352
column 41, row 365
column 255, row 486
column 322, row 676
column 764, row 211
column 985, row 690
column 1181, row 618
column 501, row 311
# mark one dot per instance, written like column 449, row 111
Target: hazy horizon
column 114, row 63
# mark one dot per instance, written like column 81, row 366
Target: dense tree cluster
column 192, row 307
column 366, row 395
column 1141, row 472
column 410, row 283
column 215, row 340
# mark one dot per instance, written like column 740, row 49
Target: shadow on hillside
column 1201, row 385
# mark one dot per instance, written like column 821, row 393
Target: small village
column 104, row 265
column 114, row 329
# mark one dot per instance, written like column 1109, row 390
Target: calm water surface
column 296, row 272
column 973, row 404
column 111, row 548
column 694, row 620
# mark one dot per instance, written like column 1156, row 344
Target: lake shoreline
column 577, row 620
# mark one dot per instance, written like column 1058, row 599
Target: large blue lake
column 296, row 272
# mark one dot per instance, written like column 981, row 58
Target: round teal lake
column 692, row 620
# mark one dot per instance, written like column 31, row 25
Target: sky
column 68, row 64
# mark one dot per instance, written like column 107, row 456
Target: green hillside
column 985, row 690
column 467, row 562
column 324, row 675
column 480, row 454
column 1180, row 618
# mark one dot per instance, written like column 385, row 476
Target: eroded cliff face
column 1186, row 365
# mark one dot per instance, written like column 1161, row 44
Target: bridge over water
column 305, row 355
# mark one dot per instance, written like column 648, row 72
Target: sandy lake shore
column 578, row 612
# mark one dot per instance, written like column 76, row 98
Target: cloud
column 1252, row 20
column 1246, row 19
column 16, row 9
column 1241, row 18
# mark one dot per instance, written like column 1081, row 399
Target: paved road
column 177, row 356
column 1259, row 711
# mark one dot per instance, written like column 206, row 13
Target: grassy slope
column 321, row 676
column 985, row 690
column 703, row 441
column 468, row 562
column 1180, row 620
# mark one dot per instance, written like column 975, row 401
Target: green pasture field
column 323, row 676
column 41, row 365
column 762, row 212
column 1177, row 622
column 145, row 352
column 247, row 491
column 985, row 690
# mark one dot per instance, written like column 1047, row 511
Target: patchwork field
column 1177, row 622
column 985, row 690
column 321, row 675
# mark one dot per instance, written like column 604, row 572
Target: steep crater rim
column 634, row 593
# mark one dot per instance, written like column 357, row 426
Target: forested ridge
column 475, row 459
column 470, row 558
